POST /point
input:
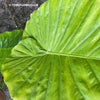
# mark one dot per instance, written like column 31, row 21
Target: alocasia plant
column 7, row 41
column 59, row 56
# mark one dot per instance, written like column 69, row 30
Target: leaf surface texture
column 59, row 56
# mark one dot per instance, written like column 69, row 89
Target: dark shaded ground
column 12, row 17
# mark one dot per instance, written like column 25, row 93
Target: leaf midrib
column 60, row 54
column 71, row 55
column 63, row 54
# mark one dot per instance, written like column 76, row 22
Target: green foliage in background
column 59, row 56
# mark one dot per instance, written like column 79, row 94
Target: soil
column 2, row 96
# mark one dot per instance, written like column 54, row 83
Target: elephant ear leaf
column 59, row 56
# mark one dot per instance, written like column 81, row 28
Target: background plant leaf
column 59, row 56
column 7, row 41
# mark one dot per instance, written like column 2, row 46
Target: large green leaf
column 7, row 41
column 59, row 56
